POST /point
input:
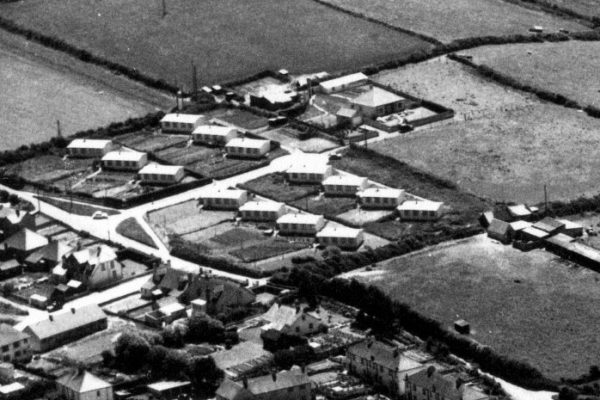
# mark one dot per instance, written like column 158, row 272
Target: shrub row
column 582, row 204
column 559, row 10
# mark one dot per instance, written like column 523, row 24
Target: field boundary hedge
column 555, row 9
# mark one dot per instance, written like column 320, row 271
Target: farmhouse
column 11, row 220
column 341, row 236
column 420, row 210
column 285, row 385
column 223, row 199
column 377, row 102
column 343, row 83
column 262, row 211
column 95, row 266
column 300, row 224
column 65, row 326
column 344, row 185
column 429, row 382
column 180, row 123
column 14, row 345
column 124, row 160
column 214, row 135
column 248, row 148
column 24, row 242
column 82, row 385
column 380, row 198
column 157, row 174
column 309, row 173
column 89, row 148
column 288, row 320
column 500, row 231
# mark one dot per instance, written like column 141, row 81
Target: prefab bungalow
column 382, row 198
column 124, row 160
column 300, row 224
column 247, row 148
column 377, row 102
column 343, row 83
column 262, row 211
column 344, row 185
column 157, row 174
column 214, row 135
column 89, row 148
column 341, row 236
column 180, row 123
column 424, row 210
column 308, row 173
column 223, row 199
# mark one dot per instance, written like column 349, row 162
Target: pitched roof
column 247, row 143
column 283, row 380
column 261, row 206
column 376, row 97
column 66, row 321
column 216, row 130
column 9, row 335
column 381, row 192
column 12, row 215
column 53, row 251
column 185, row 118
column 25, row 240
column 538, row 233
column 498, row 227
column 347, row 112
column 280, row 316
column 123, row 155
column 308, row 168
column 345, row 180
column 89, row 143
column 9, row 264
column 519, row 210
column 420, row 205
column 95, row 255
column 548, row 225
column 383, row 354
column 82, row 381
column 344, row 80
column 519, row 225
column 231, row 390
column 299, row 218
column 154, row 168
column 340, row 231
column 222, row 290
column 219, row 193
column 445, row 384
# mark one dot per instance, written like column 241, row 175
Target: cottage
column 157, row 174
column 180, row 123
column 14, row 345
column 377, row 102
column 313, row 173
column 571, row 228
column 47, row 257
column 124, row 160
column 447, row 385
column 262, row 211
column 341, row 236
column 285, row 385
column 83, row 385
column 499, row 230
column 380, row 198
column 344, row 185
column 11, row 220
column 247, row 148
column 223, row 199
column 343, row 83
column 423, row 210
column 167, row 390
column 65, row 327
column 214, row 135
column 23, row 243
column 300, row 224
column 292, row 321
column 95, row 267
column 89, row 148
column 218, row 294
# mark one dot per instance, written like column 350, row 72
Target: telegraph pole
column 194, row 82
column 164, row 8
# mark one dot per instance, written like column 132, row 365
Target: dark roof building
column 49, row 255
column 293, row 385
column 430, row 383
column 14, row 345
column 82, row 385
column 499, row 230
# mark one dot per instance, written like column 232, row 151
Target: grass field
column 583, row 7
column 227, row 39
column 549, row 66
column 457, row 19
column 131, row 228
column 530, row 306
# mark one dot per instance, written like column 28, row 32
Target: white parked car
column 99, row 215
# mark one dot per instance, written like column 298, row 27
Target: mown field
column 226, row 39
column 457, row 19
column 503, row 144
column 583, row 7
column 530, row 306
column 568, row 68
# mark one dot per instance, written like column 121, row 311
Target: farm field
column 549, row 66
column 247, row 37
column 45, row 87
column 491, row 286
column 468, row 18
column 583, row 7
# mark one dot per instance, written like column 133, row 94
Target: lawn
column 274, row 186
column 149, row 141
column 530, row 306
column 457, row 19
column 323, row 205
column 236, row 236
column 288, row 137
column 131, row 228
column 583, row 7
column 549, row 66
column 227, row 39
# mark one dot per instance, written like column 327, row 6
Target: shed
column 519, row 211
column 499, row 230
column 485, row 219
column 533, row 234
column 462, row 326
column 343, row 82
column 571, row 228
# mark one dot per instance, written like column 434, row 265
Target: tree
column 204, row 373
column 567, row 393
column 3, row 196
column 8, row 288
column 13, row 199
column 203, row 328
column 131, row 351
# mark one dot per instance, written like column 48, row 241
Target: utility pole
column 194, row 82
column 58, row 131
column 545, row 199
column 164, row 8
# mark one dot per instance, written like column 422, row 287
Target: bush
column 203, row 328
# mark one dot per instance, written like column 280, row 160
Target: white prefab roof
column 313, row 168
column 381, row 192
column 215, row 130
column 519, row 225
column 297, row 218
column 38, row 297
column 167, row 385
column 376, row 97
column 344, row 80
column 535, row 232
column 172, row 308
column 160, row 169
column 339, row 231
column 345, row 180
column 217, row 193
column 570, row 224
column 184, row 118
column 247, row 143
column 519, row 210
column 11, row 388
column 261, row 206
column 89, row 143
column 420, row 205
column 123, row 155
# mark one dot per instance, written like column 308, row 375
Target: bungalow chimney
column 245, row 382
column 430, row 371
column 50, row 317
column 73, row 310
column 274, row 376
column 99, row 251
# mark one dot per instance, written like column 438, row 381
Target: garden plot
column 150, row 141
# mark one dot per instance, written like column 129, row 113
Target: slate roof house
column 285, row 385
column 95, row 266
column 430, row 383
column 83, row 385
column 11, row 220
column 47, row 257
column 291, row 321
column 23, row 243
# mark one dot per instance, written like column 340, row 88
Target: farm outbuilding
column 262, row 211
column 214, row 135
column 519, row 211
column 549, row 225
column 382, row 198
column 341, row 236
column 423, row 210
column 571, row 228
column 124, row 160
column 344, row 185
column 349, row 117
column 89, row 148
column 486, row 218
column 247, row 148
column 533, row 234
column 180, row 123
column 499, row 230
column 343, row 83
column 224, row 199
column 157, row 174
column 517, row 227
column 462, row 326
column 567, row 247
column 300, row 224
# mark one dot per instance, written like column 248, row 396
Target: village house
column 424, row 210
column 214, row 135
column 377, row 102
column 223, row 199
column 262, row 211
column 380, row 198
column 11, row 220
column 292, row 321
column 23, row 242
column 89, row 148
column 500, row 230
column 343, row 83
column 180, row 123
column 64, row 327
column 284, row 385
column 344, row 185
column 47, row 257
column 157, row 174
column 82, row 385
column 95, row 267
column 219, row 294
column 14, row 345
column 247, row 148
column 430, row 384
column 300, row 224
column 313, row 173
column 124, row 160
column 341, row 236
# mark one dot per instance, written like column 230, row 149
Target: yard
column 216, row 166
column 274, row 186
column 583, row 7
column 288, row 137
column 150, row 141
column 324, row 205
column 246, row 37
column 530, row 306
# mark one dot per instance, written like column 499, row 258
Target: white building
column 245, row 147
column 377, row 102
column 214, row 135
column 309, row 173
column 300, row 224
column 82, row 385
column 225, row 199
column 341, row 236
column 380, row 197
column 262, row 211
column 420, row 210
column 180, row 123
column 290, row 320
column 124, row 160
column 344, row 185
column 89, row 148
column 157, row 174
column 343, row 83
